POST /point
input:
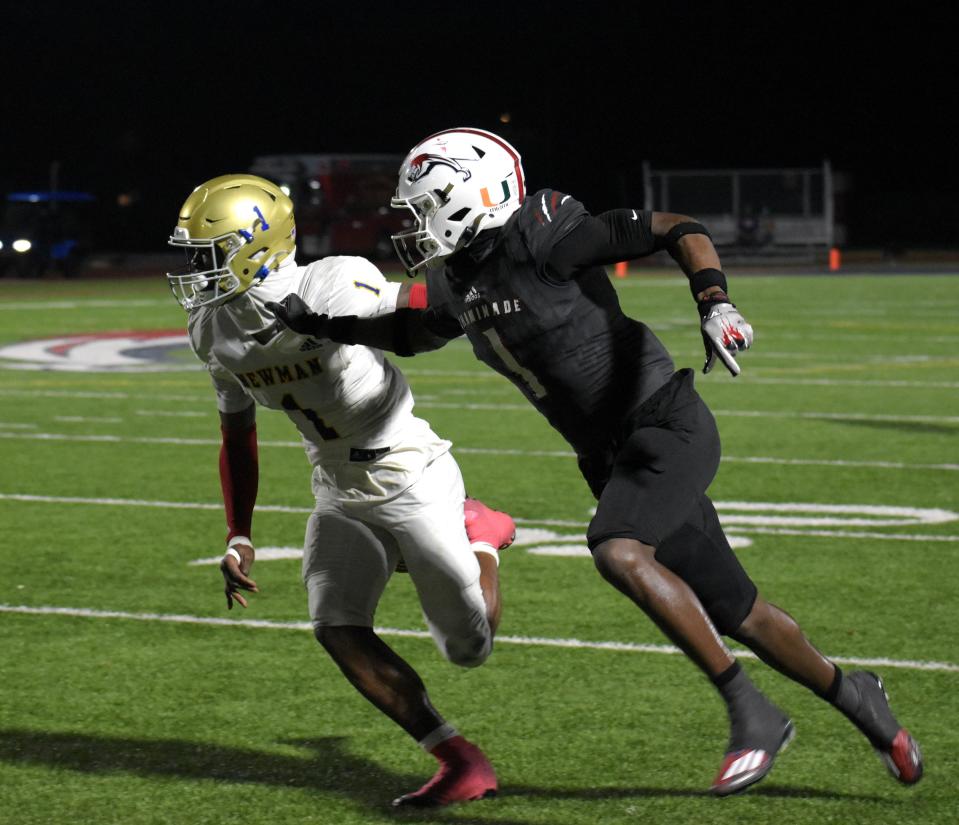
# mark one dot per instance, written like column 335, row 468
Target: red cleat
column 903, row 758
column 897, row 749
column 746, row 766
column 465, row 775
column 488, row 526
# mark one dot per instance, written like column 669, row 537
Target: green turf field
column 143, row 701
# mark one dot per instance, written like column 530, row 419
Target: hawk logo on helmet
column 423, row 164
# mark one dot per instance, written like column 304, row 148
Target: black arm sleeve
column 440, row 324
column 617, row 235
column 404, row 332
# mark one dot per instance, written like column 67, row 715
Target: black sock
column 843, row 694
column 726, row 676
column 832, row 692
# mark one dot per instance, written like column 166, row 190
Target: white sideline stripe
column 210, row 442
column 530, row 641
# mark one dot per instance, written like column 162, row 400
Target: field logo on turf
column 739, row 518
column 150, row 351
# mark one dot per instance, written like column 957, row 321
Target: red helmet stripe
column 489, row 135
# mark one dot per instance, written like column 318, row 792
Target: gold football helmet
column 236, row 229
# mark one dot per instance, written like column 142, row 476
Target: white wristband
column 232, row 552
column 239, row 540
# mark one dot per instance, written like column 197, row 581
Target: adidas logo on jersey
column 471, row 296
column 309, row 344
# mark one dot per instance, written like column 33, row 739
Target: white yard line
column 83, row 419
column 529, row 641
column 848, row 382
column 136, row 502
column 841, row 416
column 139, row 396
column 174, row 413
column 474, row 374
column 842, row 534
column 805, row 526
column 838, row 462
column 79, row 304
column 123, row 439
column 211, row 442
column 827, row 416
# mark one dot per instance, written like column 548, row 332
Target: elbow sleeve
column 630, row 233
column 617, row 235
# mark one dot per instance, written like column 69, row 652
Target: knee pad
column 470, row 651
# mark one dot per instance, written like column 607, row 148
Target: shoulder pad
column 545, row 218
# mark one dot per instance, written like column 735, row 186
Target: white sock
column 485, row 547
column 441, row 734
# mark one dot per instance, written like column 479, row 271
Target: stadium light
column 22, row 245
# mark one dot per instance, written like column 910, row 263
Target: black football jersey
column 566, row 344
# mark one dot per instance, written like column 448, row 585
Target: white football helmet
column 456, row 183
column 236, row 229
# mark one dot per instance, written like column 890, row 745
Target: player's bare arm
column 725, row 332
column 237, row 454
column 692, row 248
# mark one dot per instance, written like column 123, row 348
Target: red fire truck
column 342, row 202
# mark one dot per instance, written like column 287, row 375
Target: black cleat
column 897, row 749
column 754, row 742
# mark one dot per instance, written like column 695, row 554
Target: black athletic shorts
column 651, row 486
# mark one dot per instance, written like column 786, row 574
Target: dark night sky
column 155, row 97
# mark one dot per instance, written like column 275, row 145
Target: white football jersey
column 340, row 397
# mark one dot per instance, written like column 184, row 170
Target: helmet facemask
column 418, row 246
column 206, row 278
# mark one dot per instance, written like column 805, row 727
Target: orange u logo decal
column 484, row 193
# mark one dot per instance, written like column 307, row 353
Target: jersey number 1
column 514, row 366
column 326, row 432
